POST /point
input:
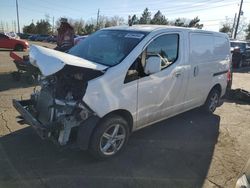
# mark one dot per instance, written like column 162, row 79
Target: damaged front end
column 57, row 106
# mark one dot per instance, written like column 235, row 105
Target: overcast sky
column 211, row 12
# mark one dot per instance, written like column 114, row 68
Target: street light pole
column 238, row 20
column 17, row 14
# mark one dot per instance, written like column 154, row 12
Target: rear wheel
column 212, row 101
column 19, row 47
column 109, row 138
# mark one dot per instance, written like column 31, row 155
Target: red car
column 12, row 43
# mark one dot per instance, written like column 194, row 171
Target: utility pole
column 238, row 20
column 17, row 14
column 233, row 28
column 97, row 20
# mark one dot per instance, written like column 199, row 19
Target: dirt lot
column 190, row 150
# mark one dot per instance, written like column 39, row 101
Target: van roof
column 151, row 28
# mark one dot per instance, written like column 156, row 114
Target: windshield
column 108, row 47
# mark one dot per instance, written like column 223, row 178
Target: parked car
column 244, row 53
column 33, row 37
column 23, row 35
column 42, row 38
column 12, row 35
column 122, row 79
column 79, row 39
column 12, row 43
column 52, row 38
column 244, row 178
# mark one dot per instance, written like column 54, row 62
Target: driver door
column 162, row 94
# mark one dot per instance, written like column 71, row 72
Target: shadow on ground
column 7, row 82
column 174, row 153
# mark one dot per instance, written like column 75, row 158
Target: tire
column 109, row 138
column 212, row 101
column 19, row 47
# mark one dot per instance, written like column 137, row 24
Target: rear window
column 201, row 48
column 207, row 47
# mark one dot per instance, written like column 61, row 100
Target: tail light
column 229, row 76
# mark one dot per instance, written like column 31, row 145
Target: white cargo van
column 121, row 79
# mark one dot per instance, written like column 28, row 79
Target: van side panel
column 209, row 57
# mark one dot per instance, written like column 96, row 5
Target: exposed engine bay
column 58, row 103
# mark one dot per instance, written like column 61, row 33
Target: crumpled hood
column 50, row 61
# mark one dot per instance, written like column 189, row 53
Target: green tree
column 88, row 29
column 248, row 32
column 195, row 23
column 226, row 28
column 145, row 17
column 30, row 29
column 43, row 27
column 180, row 22
column 159, row 19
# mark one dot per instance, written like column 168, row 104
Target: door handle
column 177, row 73
column 196, row 71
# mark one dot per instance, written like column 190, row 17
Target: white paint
column 50, row 61
column 165, row 93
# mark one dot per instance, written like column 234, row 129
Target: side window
column 166, row 47
column 201, row 47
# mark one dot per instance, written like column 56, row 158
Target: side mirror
column 153, row 65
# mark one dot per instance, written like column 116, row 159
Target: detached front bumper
column 42, row 130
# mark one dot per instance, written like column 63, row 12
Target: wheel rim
column 214, row 100
column 112, row 139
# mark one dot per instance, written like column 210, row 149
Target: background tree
column 43, row 27
column 180, row 22
column 30, row 29
column 228, row 27
column 159, row 19
column 195, row 23
column 145, row 17
column 88, row 29
column 183, row 22
column 134, row 20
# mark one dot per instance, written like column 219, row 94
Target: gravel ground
column 190, row 150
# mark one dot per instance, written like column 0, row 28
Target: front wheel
column 212, row 101
column 109, row 138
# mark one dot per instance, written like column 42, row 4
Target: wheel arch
column 124, row 114
column 216, row 86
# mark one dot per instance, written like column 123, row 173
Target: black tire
column 97, row 146
column 212, row 101
column 19, row 47
column 16, row 76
